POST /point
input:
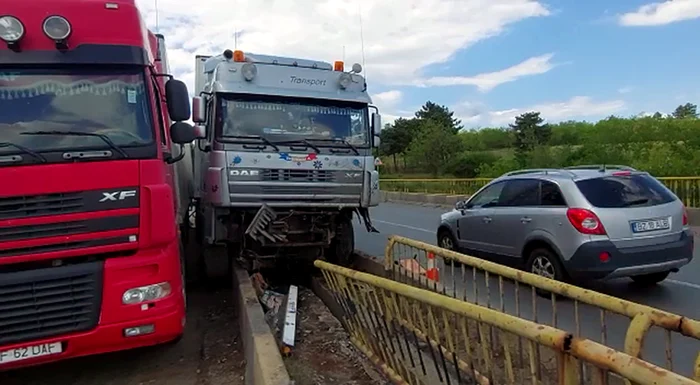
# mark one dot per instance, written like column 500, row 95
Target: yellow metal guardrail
column 420, row 337
column 686, row 188
column 612, row 321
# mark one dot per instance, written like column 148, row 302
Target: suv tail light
column 685, row 216
column 585, row 221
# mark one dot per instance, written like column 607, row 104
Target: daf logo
column 352, row 175
column 117, row 195
column 245, row 172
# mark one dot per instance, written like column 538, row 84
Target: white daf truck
column 284, row 159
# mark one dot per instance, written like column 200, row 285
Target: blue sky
column 488, row 60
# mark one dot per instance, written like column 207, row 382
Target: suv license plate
column 27, row 352
column 651, row 225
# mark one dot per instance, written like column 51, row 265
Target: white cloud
column 387, row 99
column 576, row 107
column 662, row 13
column 400, row 37
column 487, row 81
column 625, row 90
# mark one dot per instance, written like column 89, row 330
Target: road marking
column 683, row 283
column 404, row 226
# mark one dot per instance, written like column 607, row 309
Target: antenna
column 235, row 28
column 362, row 39
column 157, row 28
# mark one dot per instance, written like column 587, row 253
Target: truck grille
column 298, row 175
column 38, row 205
column 48, row 302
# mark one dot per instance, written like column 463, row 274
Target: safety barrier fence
column 421, row 337
column 686, row 188
column 665, row 339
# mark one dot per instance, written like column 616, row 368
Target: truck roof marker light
column 11, row 30
column 238, row 56
column 249, row 71
column 228, row 54
column 111, row 6
column 58, row 29
column 345, row 80
column 339, row 66
column 356, row 68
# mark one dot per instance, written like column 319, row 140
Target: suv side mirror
column 182, row 133
column 460, row 205
column 198, row 110
column 178, row 100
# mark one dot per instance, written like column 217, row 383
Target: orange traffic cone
column 432, row 271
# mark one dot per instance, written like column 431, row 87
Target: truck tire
column 343, row 244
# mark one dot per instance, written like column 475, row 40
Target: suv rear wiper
column 637, row 202
column 345, row 142
column 25, row 150
column 79, row 133
column 257, row 137
column 306, row 142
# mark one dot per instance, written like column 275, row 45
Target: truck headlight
column 57, row 28
column 345, row 80
column 11, row 29
column 249, row 71
column 146, row 293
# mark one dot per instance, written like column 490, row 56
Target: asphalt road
column 677, row 294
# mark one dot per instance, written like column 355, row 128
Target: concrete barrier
column 264, row 364
column 448, row 201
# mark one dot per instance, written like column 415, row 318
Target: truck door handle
column 525, row 220
column 486, row 219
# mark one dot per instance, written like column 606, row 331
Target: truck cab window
column 114, row 104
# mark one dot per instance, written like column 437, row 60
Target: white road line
column 405, row 226
column 683, row 283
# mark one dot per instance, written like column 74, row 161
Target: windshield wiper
column 637, row 202
column 257, row 137
column 306, row 142
column 79, row 133
column 345, row 142
column 25, row 150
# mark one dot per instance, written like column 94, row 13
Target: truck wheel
column 343, row 244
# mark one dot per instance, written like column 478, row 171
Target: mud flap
column 257, row 228
column 364, row 214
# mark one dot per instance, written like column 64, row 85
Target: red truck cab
column 90, row 257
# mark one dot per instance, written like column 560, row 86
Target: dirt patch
column 210, row 353
column 323, row 354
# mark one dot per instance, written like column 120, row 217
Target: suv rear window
column 624, row 191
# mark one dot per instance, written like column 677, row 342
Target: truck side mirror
column 178, row 100
column 182, row 133
column 198, row 110
column 376, row 142
column 376, row 123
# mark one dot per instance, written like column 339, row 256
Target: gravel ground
column 211, row 353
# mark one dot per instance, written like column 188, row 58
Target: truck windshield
column 114, row 104
column 283, row 120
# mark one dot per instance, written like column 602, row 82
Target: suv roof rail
column 602, row 167
column 538, row 171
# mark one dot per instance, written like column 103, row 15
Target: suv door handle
column 525, row 219
column 486, row 219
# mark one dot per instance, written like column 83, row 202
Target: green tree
column 686, row 111
column 441, row 115
column 528, row 132
column 435, row 147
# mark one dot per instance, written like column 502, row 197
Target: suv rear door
column 634, row 208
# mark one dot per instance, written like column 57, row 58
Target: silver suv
column 572, row 224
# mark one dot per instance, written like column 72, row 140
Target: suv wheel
column 650, row 279
column 447, row 241
column 545, row 263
